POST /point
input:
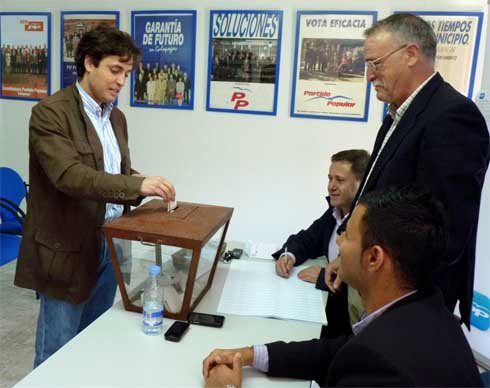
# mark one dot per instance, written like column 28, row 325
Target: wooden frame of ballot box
column 190, row 226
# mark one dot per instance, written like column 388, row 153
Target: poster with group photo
column 25, row 49
column 165, row 76
column 73, row 26
column 458, row 40
column 329, row 67
column 243, row 61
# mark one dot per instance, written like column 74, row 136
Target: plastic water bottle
column 153, row 303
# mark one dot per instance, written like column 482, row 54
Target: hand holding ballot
column 159, row 186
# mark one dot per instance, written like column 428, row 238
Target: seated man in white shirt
column 344, row 177
column 393, row 243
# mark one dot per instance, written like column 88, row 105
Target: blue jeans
column 59, row 321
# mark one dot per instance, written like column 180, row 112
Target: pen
column 286, row 256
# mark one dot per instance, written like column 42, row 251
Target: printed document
column 254, row 288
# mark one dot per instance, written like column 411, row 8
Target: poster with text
column 243, row 61
column 329, row 69
column 458, row 40
column 165, row 76
column 25, row 48
column 73, row 26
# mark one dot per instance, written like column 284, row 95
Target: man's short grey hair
column 408, row 28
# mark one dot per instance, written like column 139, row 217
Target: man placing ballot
column 80, row 176
column 394, row 242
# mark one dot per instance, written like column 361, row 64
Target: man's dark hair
column 103, row 41
column 357, row 158
column 412, row 226
column 407, row 28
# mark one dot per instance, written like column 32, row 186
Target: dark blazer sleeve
column 310, row 243
column 356, row 365
column 308, row 360
column 334, row 362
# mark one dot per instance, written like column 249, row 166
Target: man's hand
column 226, row 357
column 310, row 274
column 332, row 278
column 222, row 374
column 284, row 265
column 156, row 185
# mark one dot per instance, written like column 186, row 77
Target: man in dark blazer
column 434, row 138
column 80, row 176
column 407, row 338
column 344, row 176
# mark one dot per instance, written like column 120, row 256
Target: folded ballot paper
column 253, row 288
column 171, row 206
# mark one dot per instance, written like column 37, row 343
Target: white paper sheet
column 253, row 288
column 259, row 250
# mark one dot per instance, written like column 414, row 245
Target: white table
column 113, row 351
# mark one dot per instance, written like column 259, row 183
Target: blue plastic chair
column 9, row 247
column 13, row 190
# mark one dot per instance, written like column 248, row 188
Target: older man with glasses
column 433, row 137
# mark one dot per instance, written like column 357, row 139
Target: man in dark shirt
column 408, row 338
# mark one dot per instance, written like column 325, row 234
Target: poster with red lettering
column 25, row 48
column 329, row 70
column 243, row 64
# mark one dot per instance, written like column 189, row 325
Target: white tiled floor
column 18, row 318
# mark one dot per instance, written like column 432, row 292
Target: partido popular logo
column 329, row 99
column 480, row 311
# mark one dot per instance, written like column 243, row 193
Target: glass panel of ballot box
column 186, row 243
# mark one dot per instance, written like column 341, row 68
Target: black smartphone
column 206, row 319
column 176, row 331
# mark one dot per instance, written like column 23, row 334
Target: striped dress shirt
column 100, row 118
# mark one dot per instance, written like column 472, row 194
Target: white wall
column 272, row 170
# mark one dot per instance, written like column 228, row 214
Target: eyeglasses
column 371, row 65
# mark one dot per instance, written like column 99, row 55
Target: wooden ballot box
column 185, row 243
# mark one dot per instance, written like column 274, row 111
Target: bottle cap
column 154, row 270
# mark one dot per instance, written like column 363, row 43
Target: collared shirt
column 367, row 319
column 100, row 118
column 333, row 248
column 396, row 114
column 261, row 354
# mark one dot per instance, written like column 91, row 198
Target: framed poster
column 165, row 76
column 243, row 61
column 458, row 41
column 329, row 70
column 25, row 41
column 73, row 26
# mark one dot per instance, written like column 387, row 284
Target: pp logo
column 240, row 100
column 480, row 311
